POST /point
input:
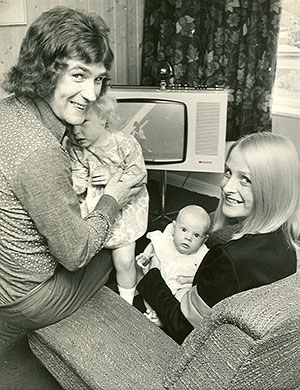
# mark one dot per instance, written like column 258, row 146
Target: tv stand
column 162, row 215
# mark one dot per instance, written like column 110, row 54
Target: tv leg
column 162, row 215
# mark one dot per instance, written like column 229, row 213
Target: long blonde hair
column 274, row 167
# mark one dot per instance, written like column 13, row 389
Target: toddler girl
column 96, row 154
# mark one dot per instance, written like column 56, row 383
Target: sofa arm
column 248, row 341
column 214, row 365
column 106, row 344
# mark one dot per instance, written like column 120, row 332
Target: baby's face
column 89, row 131
column 189, row 234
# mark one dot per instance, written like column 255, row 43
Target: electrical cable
column 184, row 181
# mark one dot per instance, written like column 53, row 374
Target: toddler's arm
column 149, row 250
column 133, row 160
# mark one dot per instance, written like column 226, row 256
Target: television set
column 178, row 129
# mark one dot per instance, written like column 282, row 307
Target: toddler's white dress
column 124, row 152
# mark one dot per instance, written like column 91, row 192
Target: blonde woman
column 260, row 193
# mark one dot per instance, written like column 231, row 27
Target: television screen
column 160, row 126
column 179, row 130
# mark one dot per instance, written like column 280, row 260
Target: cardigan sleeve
column 155, row 291
column 216, row 277
column 80, row 169
column 49, row 199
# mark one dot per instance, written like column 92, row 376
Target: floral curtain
column 229, row 43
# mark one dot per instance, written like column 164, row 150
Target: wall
column 288, row 126
column 124, row 18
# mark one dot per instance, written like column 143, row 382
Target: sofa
column 248, row 341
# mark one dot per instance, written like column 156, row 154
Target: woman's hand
column 153, row 317
column 122, row 192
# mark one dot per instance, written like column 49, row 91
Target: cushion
column 250, row 341
column 106, row 344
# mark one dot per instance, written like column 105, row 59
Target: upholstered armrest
column 106, row 344
column 250, row 341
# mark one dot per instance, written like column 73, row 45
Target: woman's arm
column 155, row 291
column 215, row 279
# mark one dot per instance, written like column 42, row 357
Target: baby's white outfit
column 174, row 263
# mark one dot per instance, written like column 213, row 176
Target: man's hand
column 100, row 177
column 122, row 192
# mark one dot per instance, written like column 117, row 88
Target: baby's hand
column 142, row 260
column 184, row 279
column 100, row 177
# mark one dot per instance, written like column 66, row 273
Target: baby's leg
column 124, row 262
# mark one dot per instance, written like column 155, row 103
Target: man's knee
column 103, row 261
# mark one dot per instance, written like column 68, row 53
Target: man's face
column 78, row 86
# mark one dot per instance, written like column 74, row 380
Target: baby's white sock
column 127, row 293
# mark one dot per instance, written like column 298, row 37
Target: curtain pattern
column 229, row 43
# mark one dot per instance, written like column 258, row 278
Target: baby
column 178, row 250
column 96, row 154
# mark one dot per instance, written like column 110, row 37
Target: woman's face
column 236, row 187
column 78, row 86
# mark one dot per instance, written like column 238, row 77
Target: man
column 49, row 257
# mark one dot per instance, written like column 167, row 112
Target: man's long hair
column 53, row 38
